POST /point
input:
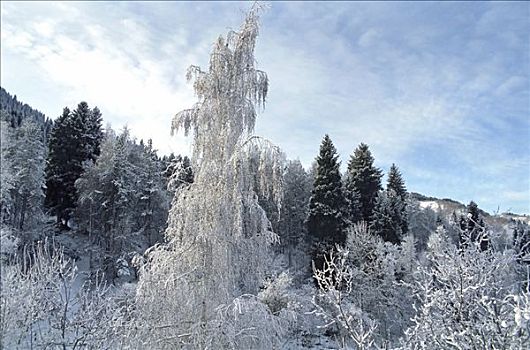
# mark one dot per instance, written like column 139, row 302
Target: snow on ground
column 434, row 205
column 523, row 218
column 8, row 242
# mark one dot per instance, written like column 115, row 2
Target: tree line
column 104, row 184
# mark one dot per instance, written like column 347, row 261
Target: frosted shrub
column 335, row 305
column 8, row 242
column 468, row 298
column 362, row 290
column 275, row 294
column 245, row 323
column 44, row 303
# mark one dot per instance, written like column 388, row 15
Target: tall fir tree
column 353, row 204
column 363, row 179
column 152, row 198
column 387, row 218
column 395, row 182
column 123, row 202
column 395, row 186
column 296, row 194
column 74, row 139
column 94, row 133
column 59, row 194
column 327, row 221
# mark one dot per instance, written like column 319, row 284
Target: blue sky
column 441, row 89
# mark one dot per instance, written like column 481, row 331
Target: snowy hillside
column 448, row 206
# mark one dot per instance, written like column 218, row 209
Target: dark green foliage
column 521, row 241
column 326, row 222
column 421, row 222
column 59, row 180
column 396, row 184
column 75, row 139
column 17, row 112
column 353, row 199
column 295, row 206
column 472, row 228
column 186, row 171
column 473, row 216
column 170, row 164
column 94, row 134
column 178, row 171
column 122, row 197
column 365, row 179
column 387, row 219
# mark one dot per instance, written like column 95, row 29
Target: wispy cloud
column 440, row 88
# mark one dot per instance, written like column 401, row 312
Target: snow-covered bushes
column 335, row 302
column 468, row 298
column 245, row 323
column 9, row 243
column 362, row 290
column 44, row 303
column 275, row 294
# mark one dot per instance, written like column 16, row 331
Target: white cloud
column 138, row 95
column 361, row 72
column 369, row 37
column 45, row 28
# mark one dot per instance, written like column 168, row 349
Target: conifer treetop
column 395, row 182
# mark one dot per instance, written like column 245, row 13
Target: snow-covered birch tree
column 217, row 234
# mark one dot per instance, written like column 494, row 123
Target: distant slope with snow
column 447, row 206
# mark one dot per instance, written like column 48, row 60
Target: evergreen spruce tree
column 296, row 194
column 186, row 171
column 472, row 228
column 22, row 175
column 396, row 187
column 74, row 139
column 105, row 192
column 58, row 189
column 473, row 217
column 387, row 217
column 179, row 172
column 521, row 242
column 353, row 204
column 94, row 133
column 364, row 179
column 327, row 221
column 152, row 197
column 171, row 164
column 395, row 182
column 123, row 202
